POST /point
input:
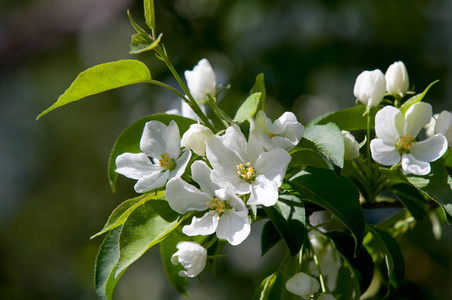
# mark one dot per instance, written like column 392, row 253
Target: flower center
column 271, row 135
column 167, row 162
column 405, row 143
column 246, row 172
column 218, row 206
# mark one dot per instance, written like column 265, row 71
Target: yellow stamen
column 246, row 172
column 272, row 135
column 406, row 143
column 167, row 162
column 217, row 206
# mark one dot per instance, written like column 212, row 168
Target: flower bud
column 370, row 88
column 195, row 138
column 397, row 79
column 443, row 125
column 201, row 81
column 303, row 285
column 351, row 145
column 192, row 256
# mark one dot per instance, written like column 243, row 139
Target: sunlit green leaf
column 329, row 140
column 149, row 13
column 289, row 218
column 106, row 264
column 120, row 214
column 102, row 78
column 415, row 99
column 259, row 87
column 146, row 226
column 394, row 259
column 347, row 119
column 270, row 286
column 141, row 43
column 336, row 194
column 129, row 139
column 248, row 108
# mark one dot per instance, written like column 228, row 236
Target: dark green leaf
column 106, row 264
column 304, row 157
column 270, row 287
column 270, row 237
column 329, row 141
column 289, row 218
column 129, row 139
column 394, row 259
column 413, row 200
column 415, row 99
column 120, row 214
column 362, row 265
column 145, row 227
column 336, row 194
column 248, row 108
column 259, row 87
column 437, row 185
column 141, row 43
column 102, row 78
column 347, row 119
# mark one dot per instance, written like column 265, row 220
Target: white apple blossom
column 370, row 87
column 285, row 132
column 201, row 81
column 159, row 160
column 302, row 284
column 226, row 213
column 244, row 167
column 397, row 79
column 195, row 138
column 192, row 256
column 351, row 145
column 396, row 142
column 441, row 123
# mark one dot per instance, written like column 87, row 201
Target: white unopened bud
column 303, row 285
column 370, row 88
column 201, row 81
column 192, row 256
column 397, row 79
column 195, row 138
column 351, row 145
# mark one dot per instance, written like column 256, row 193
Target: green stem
column 168, row 87
column 368, row 139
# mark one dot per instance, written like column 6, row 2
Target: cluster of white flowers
column 230, row 171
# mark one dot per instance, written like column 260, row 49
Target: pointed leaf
column 336, row 194
column 415, row 99
column 145, row 227
column 129, row 140
column 350, row 119
column 270, row 237
column 102, row 78
column 248, row 108
column 394, row 259
column 149, row 13
column 106, row 264
column 437, row 185
column 141, row 43
column 412, row 199
column 259, row 87
column 270, row 287
column 329, row 141
column 305, row 157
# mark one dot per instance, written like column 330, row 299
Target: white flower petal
column 273, row 164
column 397, row 79
column 192, row 256
column 221, row 157
column 264, row 192
column 234, row 140
column 152, row 141
column 205, row 225
column 202, row 80
column 234, row 227
column 201, row 174
column 231, row 198
column 302, row 284
column 183, row 197
column 181, row 164
column 252, row 150
column 135, row 165
column 413, row 166
column 151, row 182
column 389, row 123
column 430, row 149
column 444, row 125
column 384, row 153
column 172, row 140
column 417, row 116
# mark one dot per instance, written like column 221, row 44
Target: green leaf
column 149, row 13
column 259, row 87
column 305, row 157
column 120, row 214
column 437, row 185
column 289, row 218
column 102, row 78
column 141, row 43
column 248, row 108
column 394, row 259
column 412, row 199
column 270, row 237
column 145, row 227
column 329, row 141
column 137, row 27
column 271, row 286
column 336, row 194
column 129, row 139
column 106, row 264
column 350, row 119
column 415, row 99
column 361, row 266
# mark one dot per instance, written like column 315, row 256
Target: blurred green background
column 53, row 184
